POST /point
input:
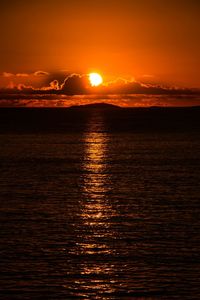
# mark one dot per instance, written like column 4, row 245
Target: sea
column 99, row 202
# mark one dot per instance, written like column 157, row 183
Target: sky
column 148, row 41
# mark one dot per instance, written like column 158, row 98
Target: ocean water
column 99, row 203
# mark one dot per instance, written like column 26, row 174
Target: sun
column 95, row 79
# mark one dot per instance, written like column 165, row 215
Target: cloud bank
column 42, row 82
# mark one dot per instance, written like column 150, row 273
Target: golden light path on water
column 95, row 180
column 96, row 212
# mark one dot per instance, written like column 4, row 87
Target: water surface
column 89, row 211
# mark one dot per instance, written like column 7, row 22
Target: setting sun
column 95, row 79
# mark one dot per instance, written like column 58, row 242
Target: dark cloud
column 75, row 84
column 60, row 76
column 134, row 87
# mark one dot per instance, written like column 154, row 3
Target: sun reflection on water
column 96, row 181
column 96, row 214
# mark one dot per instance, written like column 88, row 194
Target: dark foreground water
column 100, row 203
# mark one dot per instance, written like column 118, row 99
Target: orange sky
column 158, row 40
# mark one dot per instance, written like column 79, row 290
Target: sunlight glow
column 95, row 79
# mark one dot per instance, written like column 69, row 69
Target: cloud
column 36, row 79
column 60, row 76
column 148, row 76
column 42, row 82
column 121, row 86
column 22, row 75
column 40, row 73
column 75, row 84
column 53, row 86
column 37, row 73
column 6, row 74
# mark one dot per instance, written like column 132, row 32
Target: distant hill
column 99, row 106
